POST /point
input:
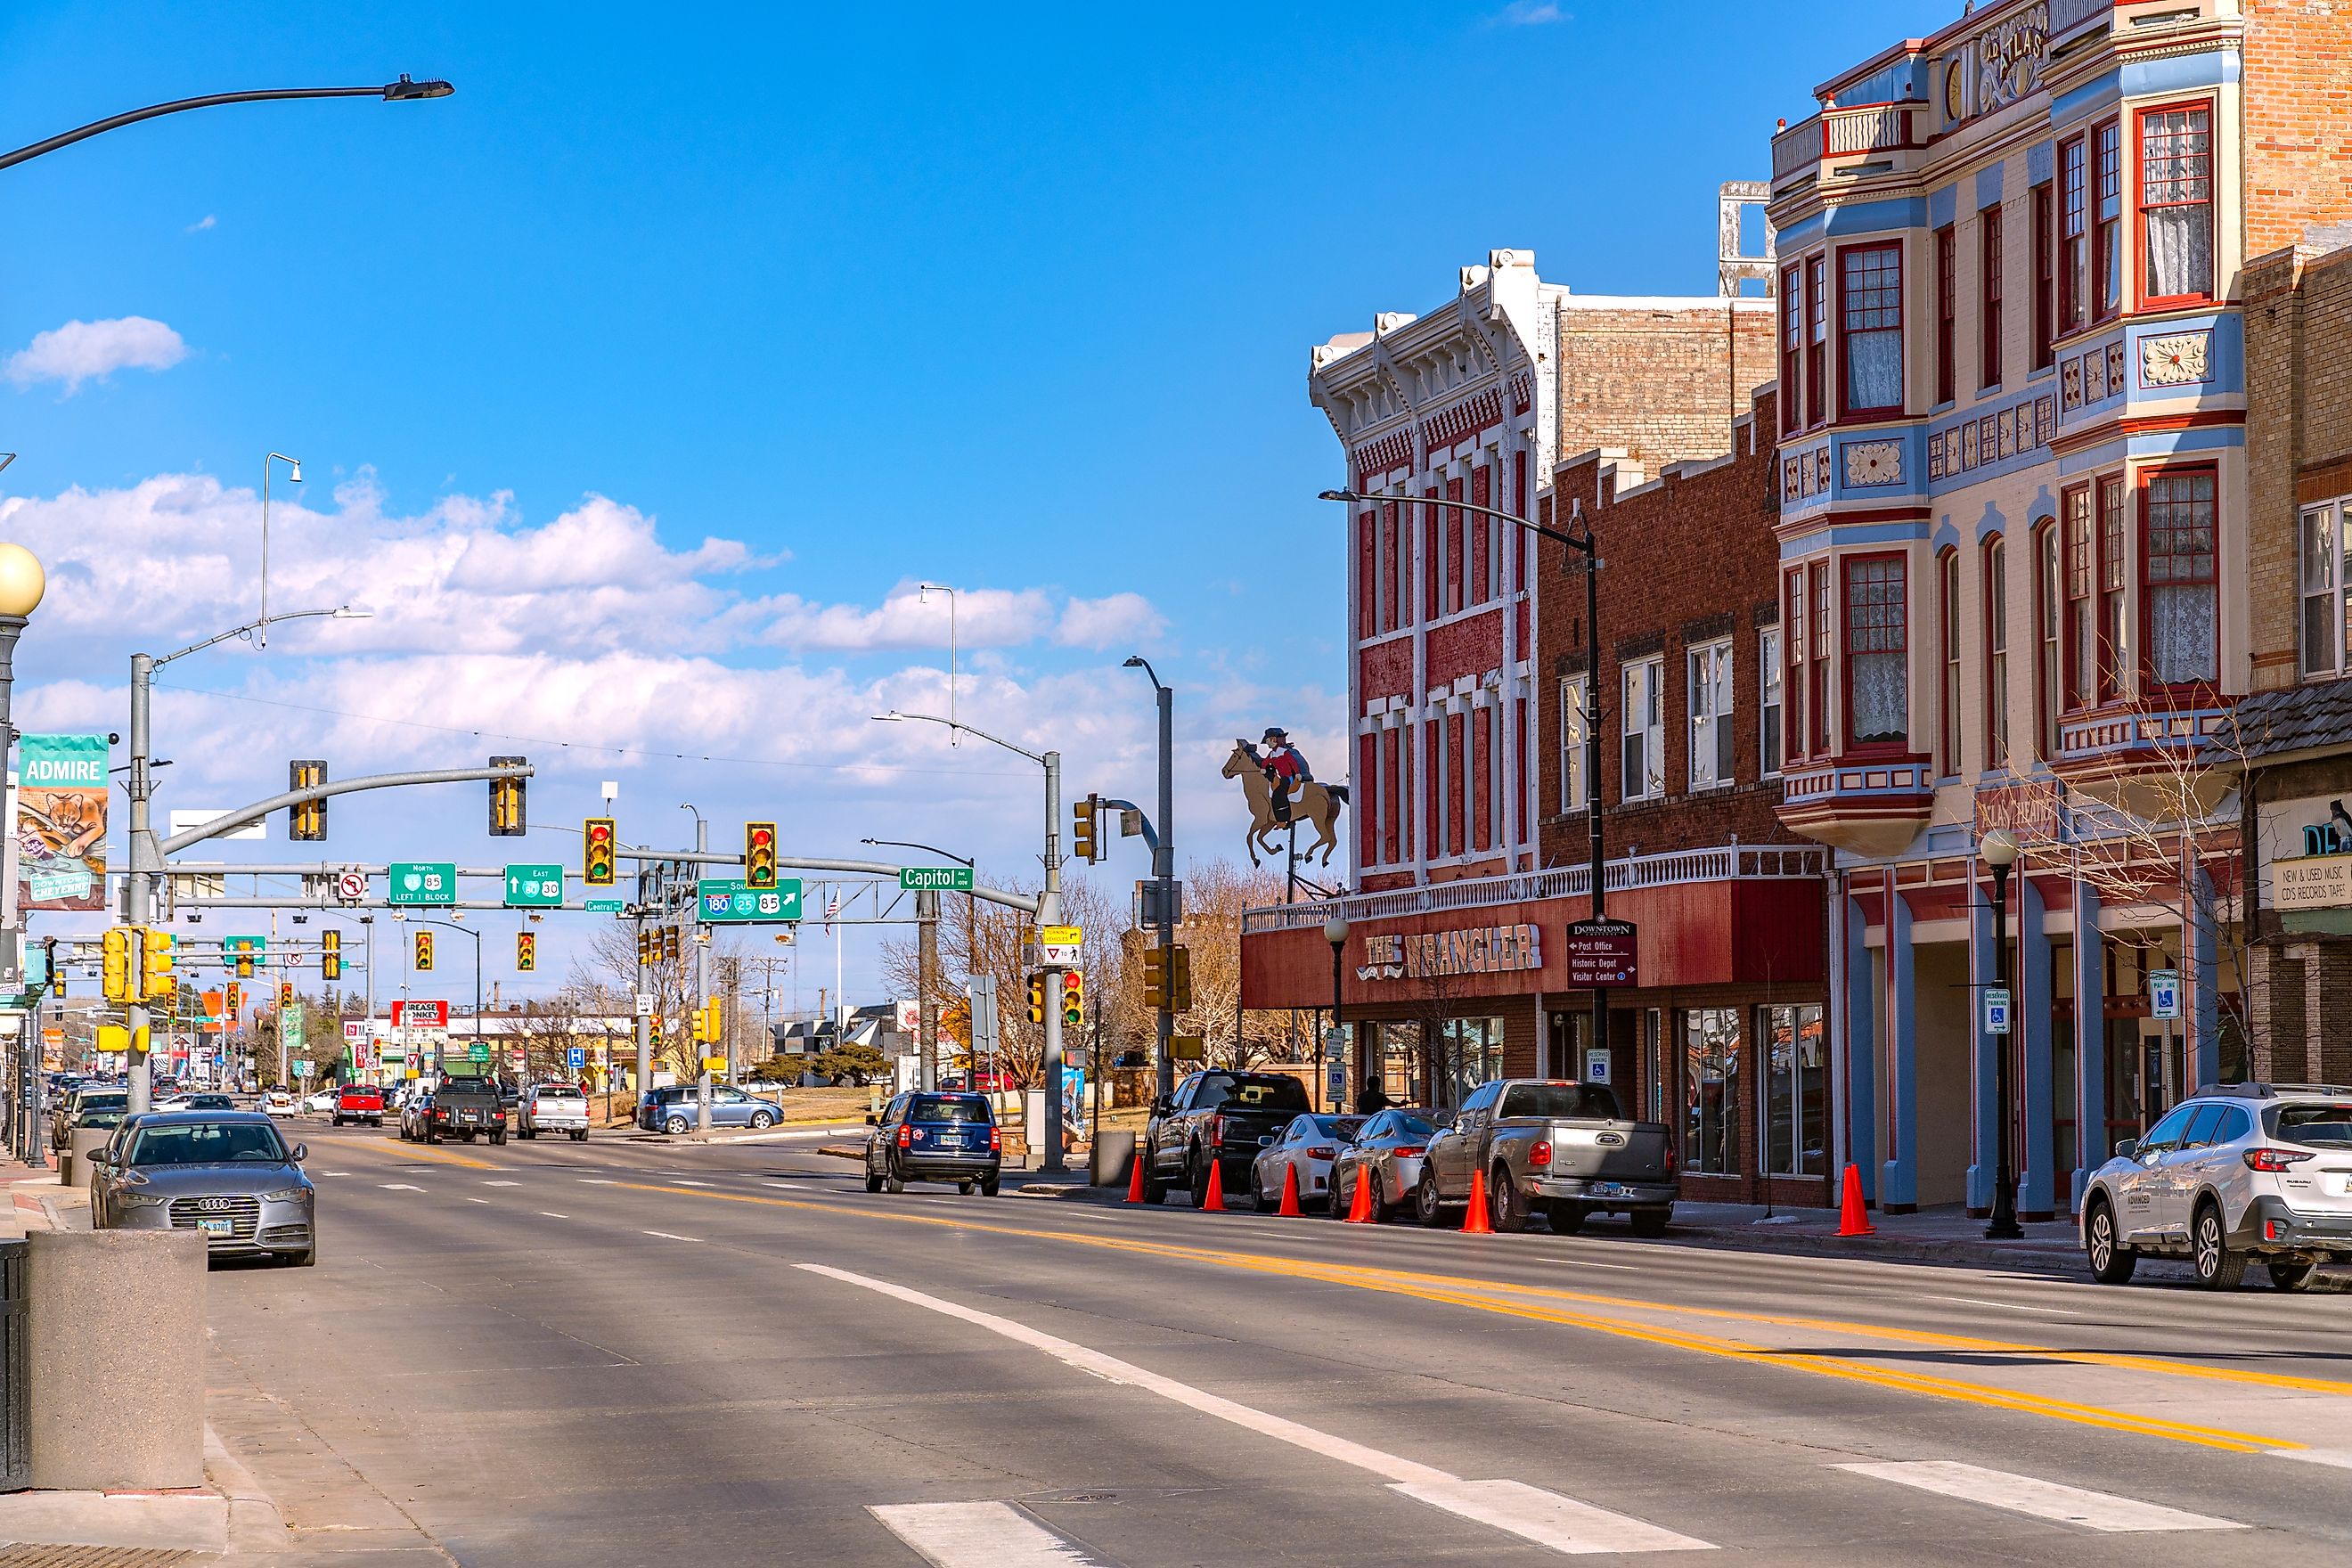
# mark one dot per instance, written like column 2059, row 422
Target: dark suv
column 934, row 1138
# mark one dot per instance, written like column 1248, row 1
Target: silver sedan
column 1386, row 1155
column 228, row 1173
column 1308, row 1145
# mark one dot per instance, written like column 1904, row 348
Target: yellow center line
column 1454, row 1291
column 404, row 1151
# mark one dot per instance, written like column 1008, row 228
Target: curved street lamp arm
column 343, row 610
column 391, row 91
column 1583, row 542
column 969, row 730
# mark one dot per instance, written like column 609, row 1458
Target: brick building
column 2018, row 529
column 2292, row 743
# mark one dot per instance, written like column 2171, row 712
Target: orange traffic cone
column 1289, row 1192
column 1216, row 1202
column 1135, row 1179
column 1853, row 1220
column 1360, row 1206
column 1475, row 1223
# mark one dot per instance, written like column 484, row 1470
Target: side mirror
column 872, row 1120
column 2127, row 1149
column 1162, row 1104
column 302, row 1153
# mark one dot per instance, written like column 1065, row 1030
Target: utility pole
column 701, row 983
column 1164, row 870
column 927, row 976
column 138, row 888
column 1049, row 913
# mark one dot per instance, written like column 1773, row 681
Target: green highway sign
column 423, row 882
column 606, row 905
column 936, row 878
column 721, row 900
column 252, row 946
column 534, row 887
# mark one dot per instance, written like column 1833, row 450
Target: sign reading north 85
column 423, row 881
column 721, row 900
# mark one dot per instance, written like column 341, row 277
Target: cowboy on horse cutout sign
column 1281, row 790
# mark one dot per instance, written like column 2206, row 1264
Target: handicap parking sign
column 1995, row 1009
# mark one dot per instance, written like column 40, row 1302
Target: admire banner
column 61, row 822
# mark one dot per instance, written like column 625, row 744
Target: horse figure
column 1317, row 805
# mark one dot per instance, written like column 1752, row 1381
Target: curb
column 2039, row 1258
column 254, row 1521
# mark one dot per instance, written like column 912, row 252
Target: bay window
column 2049, row 697
column 2046, row 281
column 1877, row 664
column 1988, row 275
column 1947, row 630
column 2176, row 196
column 1768, row 704
column 1824, row 730
column 1870, row 347
column 1712, row 761
column 1575, row 734
column 2326, row 634
column 1793, row 346
column 2082, row 624
column 1948, row 312
column 1792, row 616
column 1643, row 758
column 2106, row 236
column 2179, row 581
column 1817, row 337
column 2072, row 199
column 1995, row 589
column 2115, row 641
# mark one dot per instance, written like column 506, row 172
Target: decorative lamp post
column 1335, row 932
column 22, row 583
column 1998, row 849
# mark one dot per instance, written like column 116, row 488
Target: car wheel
column 2218, row 1268
column 2293, row 1275
column 1198, row 1180
column 675, row 1125
column 1155, row 1188
column 964, row 1188
column 1376, row 1203
column 892, row 1181
column 581, row 1136
column 431, row 1136
column 1338, row 1207
column 761, row 1122
column 1427, row 1207
column 305, row 1259
column 1651, row 1223
column 1565, row 1218
column 500, row 1139
column 525, row 1132
column 1258, row 1200
column 1506, row 1205
column 2111, row 1262
column 873, row 1182
column 988, row 1186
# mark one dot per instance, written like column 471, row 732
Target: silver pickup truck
column 1554, row 1144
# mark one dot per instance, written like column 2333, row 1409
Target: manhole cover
column 21, row 1556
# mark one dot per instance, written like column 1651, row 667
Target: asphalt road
column 627, row 1354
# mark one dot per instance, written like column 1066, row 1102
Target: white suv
column 2242, row 1172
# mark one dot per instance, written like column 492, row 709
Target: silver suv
column 2238, row 1173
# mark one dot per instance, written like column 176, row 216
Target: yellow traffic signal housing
column 1084, row 845
column 1155, row 978
column 1074, row 999
column 601, row 838
column 758, row 854
column 331, row 955
column 669, row 944
column 526, row 951
column 156, row 980
column 115, row 954
column 236, row 999
column 285, row 995
column 306, row 823
column 507, row 801
column 1180, row 979
column 714, row 1024
column 1037, row 998
column 423, row 951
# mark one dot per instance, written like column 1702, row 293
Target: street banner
column 61, row 822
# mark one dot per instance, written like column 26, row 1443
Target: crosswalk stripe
column 2038, row 1499
column 1548, row 1519
column 979, row 1535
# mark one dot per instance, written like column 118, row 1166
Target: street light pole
column 701, row 984
column 1999, row 848
column 1163, row 870
column 22, row 583
column 401, row 91
column 1335, row 932
column 926, row 963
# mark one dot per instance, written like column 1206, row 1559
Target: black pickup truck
column 468, row 1108
column 1216, row 1118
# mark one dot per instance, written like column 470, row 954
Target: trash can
column 1114, row 1157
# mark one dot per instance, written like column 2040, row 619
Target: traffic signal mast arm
column 228, row 822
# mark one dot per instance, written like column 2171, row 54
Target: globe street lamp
column 1335, row 932
column 1998, row 849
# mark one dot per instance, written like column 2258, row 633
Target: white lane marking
column 478, row 1200
column 682, row 1182
column 667, row 1236
column 543, row 1214
column 501, row 1184
column 1561, row 1523
column 2006, row 1305
column 1581, row 1263
column 599, row 1181
column 2038, row 1499
column 399, row 1187
column 334, row 1172
column 1523, row 1510
column 978, row 1535
column 2341, row 1458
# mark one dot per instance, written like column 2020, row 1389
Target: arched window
column 1947, row 618
column 2049, row 655
column 1996, row 646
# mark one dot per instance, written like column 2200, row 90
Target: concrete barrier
column 87, row 1140
column 115, row 1357
column 1114, row 1157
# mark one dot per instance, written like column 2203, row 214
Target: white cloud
column 202, row 224
column 1527, row 14
column 1100, row 622
column 85, row 351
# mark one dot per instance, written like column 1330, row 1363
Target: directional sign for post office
column 935, row 879
column 725, row 900
column 1604, row 953
column 423, row 882
column 534, row 887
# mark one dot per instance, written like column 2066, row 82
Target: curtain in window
column 1877, row 665
column 2179, row 251
column 2181, row 602
column 1874, row 369
column 2177, row 193
column 2180, row 633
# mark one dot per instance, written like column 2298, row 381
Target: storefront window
column 1711, row 1042
column 1470, row 1053
column 1796, row 1115
column 1401, row 1071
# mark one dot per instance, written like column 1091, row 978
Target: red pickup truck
column 359, row 1102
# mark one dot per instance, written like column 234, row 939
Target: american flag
column 832, row 908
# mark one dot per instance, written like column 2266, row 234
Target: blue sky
column 639, row 384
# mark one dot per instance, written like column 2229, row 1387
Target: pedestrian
column 1370, row 1100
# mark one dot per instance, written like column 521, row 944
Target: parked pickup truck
column 468, row 1108
column 359, row 1102
column 1215, row 1119
column 1557, row 1145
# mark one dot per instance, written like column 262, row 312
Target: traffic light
column 244, row 957
column 284, row 996
column 1037, row 998
column 424, row 951
column 758, row 854
column 236, row 999
column 708, row 1023
column 506, row 800
column 1180, row 979
column 1083, row 843
column 646, row 953
column 331, row 955
column 1155, row 978
column 598, row 831
column 156, row 980
column 306, row 823
column 669, row 944
column 1074, row 999
column 526, row 951
column 115, row 950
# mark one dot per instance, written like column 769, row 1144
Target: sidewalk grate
column 96, row 1557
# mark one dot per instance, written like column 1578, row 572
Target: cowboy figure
column 1285, row 769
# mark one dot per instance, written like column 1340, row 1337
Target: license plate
column 1610, row 1189
column 950, row 1140
column 217, row 1226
